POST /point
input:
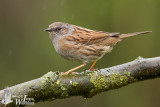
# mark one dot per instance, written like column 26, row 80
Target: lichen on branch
column 53, row 85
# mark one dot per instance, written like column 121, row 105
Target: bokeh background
column 26, row 52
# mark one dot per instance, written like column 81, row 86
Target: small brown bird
column 80, row 44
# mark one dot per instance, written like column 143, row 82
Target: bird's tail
column 132, row 34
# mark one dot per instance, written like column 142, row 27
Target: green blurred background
column 26, row 52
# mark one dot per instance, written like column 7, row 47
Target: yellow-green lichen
column 117, row 80
column 112, row 81
column 75, row 83
column 52, row 87
column 62, row 89
column 129, row 74
column 57, row 82
column 99, row 83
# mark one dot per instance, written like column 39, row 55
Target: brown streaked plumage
column 80, row 44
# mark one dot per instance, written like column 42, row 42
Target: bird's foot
column 67, row 73
column 73, row 69
column 93, row 69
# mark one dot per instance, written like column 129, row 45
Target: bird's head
column 60, row 29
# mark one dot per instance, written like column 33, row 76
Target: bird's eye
column 57, row 29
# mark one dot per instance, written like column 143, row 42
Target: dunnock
column 80, row 44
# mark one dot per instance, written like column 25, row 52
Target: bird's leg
column 91, row 68
column 71, row 70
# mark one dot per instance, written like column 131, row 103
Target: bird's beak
column 48, row 30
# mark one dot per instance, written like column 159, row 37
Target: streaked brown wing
column 87, row 36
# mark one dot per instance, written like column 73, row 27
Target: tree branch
column 53, row 85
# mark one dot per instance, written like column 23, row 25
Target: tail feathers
column 132, row 34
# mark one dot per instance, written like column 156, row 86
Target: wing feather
column 87, row 36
